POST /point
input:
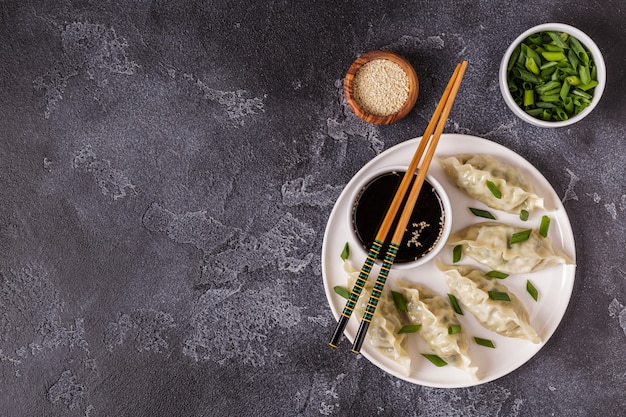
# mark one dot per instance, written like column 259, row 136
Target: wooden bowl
column 354, row 104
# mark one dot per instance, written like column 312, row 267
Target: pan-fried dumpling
column 471, row 172
column 488, row 243
column 386, row 322
column 436, row 316
column 471, row 288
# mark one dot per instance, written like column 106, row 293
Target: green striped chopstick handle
column 356, row 292
column 377, row 292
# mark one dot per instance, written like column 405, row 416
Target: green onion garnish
column 398, row 300
column 482, row 213
column 342, row 291
column 456, row 253
column 345, row 253
column 520, row 236
column 496, row 274
column 532, row 290
column 454, row 329
column 544, row 226
column 494, row 189
column 484, row 342
column 455, row 304
column 436, row 360
column 523, row 215
column 412, row 328
column 499, row 296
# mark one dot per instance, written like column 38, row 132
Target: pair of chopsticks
column 436, row 125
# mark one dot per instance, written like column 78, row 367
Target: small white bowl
column 597, row 58
column 446, row 218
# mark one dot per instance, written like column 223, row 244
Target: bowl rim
column 447, row 215
column 586, row 41
column 393, row 57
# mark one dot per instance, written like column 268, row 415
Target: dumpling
column 488, row 243
column 471, row 172
column 386, row 322
column 471, row 288
column 436, row 316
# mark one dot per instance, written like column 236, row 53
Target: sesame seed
column 381, row 87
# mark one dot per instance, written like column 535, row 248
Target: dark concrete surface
column 167, row 170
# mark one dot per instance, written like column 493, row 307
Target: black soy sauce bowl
column 428, row 228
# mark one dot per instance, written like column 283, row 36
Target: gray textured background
column 167, row 170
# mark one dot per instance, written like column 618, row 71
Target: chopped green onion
column 484, row 342
column 554, row 56
column 531, row 65
column 482, row 213
column 499, row 296
column 591, row 84
column 456, row 253
column 557, row 39
column 585, row 75
column 581, row 93
column 548, row 65
column 550, row 85
column 436, row 360
column 342, row 291
column 520, row 237
column 546, row 114
column 532, row 290
column 523, row 215
column 454, row 329
column 551, row 97
column 494, row 189
column 455, row 304
column 531, row 55
column 534, row 112
column 536, row 38
column 525, row 75
column 411, row 328
column 546, row 61
column 572, row 58
column 573, row 80
column 529, row 98
column 543, row 105
column 514, row 56
column 544, row 226
column 552, row 48
column 561, row 114
column 564, row 90
column 398, row 300
column 345, row 253
column 496, row 274
column 578, row 48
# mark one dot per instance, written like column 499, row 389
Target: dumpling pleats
column 488, row 243
column 436, row 316
column 471, row 172
column 471, row 288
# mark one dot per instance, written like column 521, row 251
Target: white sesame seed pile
column 381, row 87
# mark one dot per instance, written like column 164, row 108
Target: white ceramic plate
column 554, row 284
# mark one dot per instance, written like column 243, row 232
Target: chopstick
column 440, row 115
column 396, row 238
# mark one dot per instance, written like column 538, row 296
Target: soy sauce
column 425, row 225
